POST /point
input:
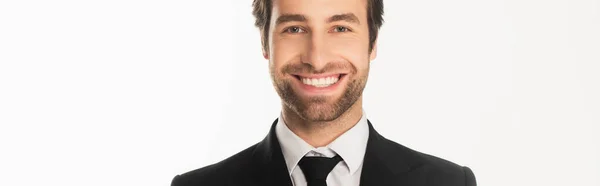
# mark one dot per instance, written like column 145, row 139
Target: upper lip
column 316, row 76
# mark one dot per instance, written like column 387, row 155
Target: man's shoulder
column 219, row 172
column 436, row 169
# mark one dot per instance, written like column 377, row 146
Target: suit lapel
column 270, row 164
column 387, row 163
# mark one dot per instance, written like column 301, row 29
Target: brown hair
column 262, row 13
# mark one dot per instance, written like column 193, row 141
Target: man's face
column 319, row 55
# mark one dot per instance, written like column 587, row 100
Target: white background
column 134, row 92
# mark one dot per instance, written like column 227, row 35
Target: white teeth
column 320, row 82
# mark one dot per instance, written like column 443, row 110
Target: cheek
column 353, row 50
column 284, row 51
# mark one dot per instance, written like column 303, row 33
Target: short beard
column 317, row 109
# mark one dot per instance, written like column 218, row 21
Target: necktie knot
column 316, row 169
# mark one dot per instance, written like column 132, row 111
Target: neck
column 321, row 133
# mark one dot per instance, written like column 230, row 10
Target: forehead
column 320, row 9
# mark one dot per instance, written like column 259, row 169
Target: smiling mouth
column 320, row 81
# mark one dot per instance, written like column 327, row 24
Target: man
column 319, row 53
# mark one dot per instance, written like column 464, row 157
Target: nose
column 318, row 52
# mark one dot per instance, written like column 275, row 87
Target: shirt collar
column 351, row 145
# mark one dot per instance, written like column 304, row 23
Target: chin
column 318, row 109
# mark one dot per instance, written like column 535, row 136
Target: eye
column 294, row 29
column 340, row 29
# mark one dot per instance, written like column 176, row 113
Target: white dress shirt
column 351, row 146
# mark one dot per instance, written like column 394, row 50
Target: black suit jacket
column 386, row 163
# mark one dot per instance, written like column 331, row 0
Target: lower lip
column 320, row 90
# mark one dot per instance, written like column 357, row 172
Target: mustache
column 305, row 68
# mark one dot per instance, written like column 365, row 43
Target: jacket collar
column 385, row 162
column 351, row 145
column 270, row 161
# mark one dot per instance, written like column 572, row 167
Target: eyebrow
column 348, row 17
column 289, row 18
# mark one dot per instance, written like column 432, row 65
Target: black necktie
column 316, row 169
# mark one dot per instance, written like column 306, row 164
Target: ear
column 373, row 54
column 265, row 53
